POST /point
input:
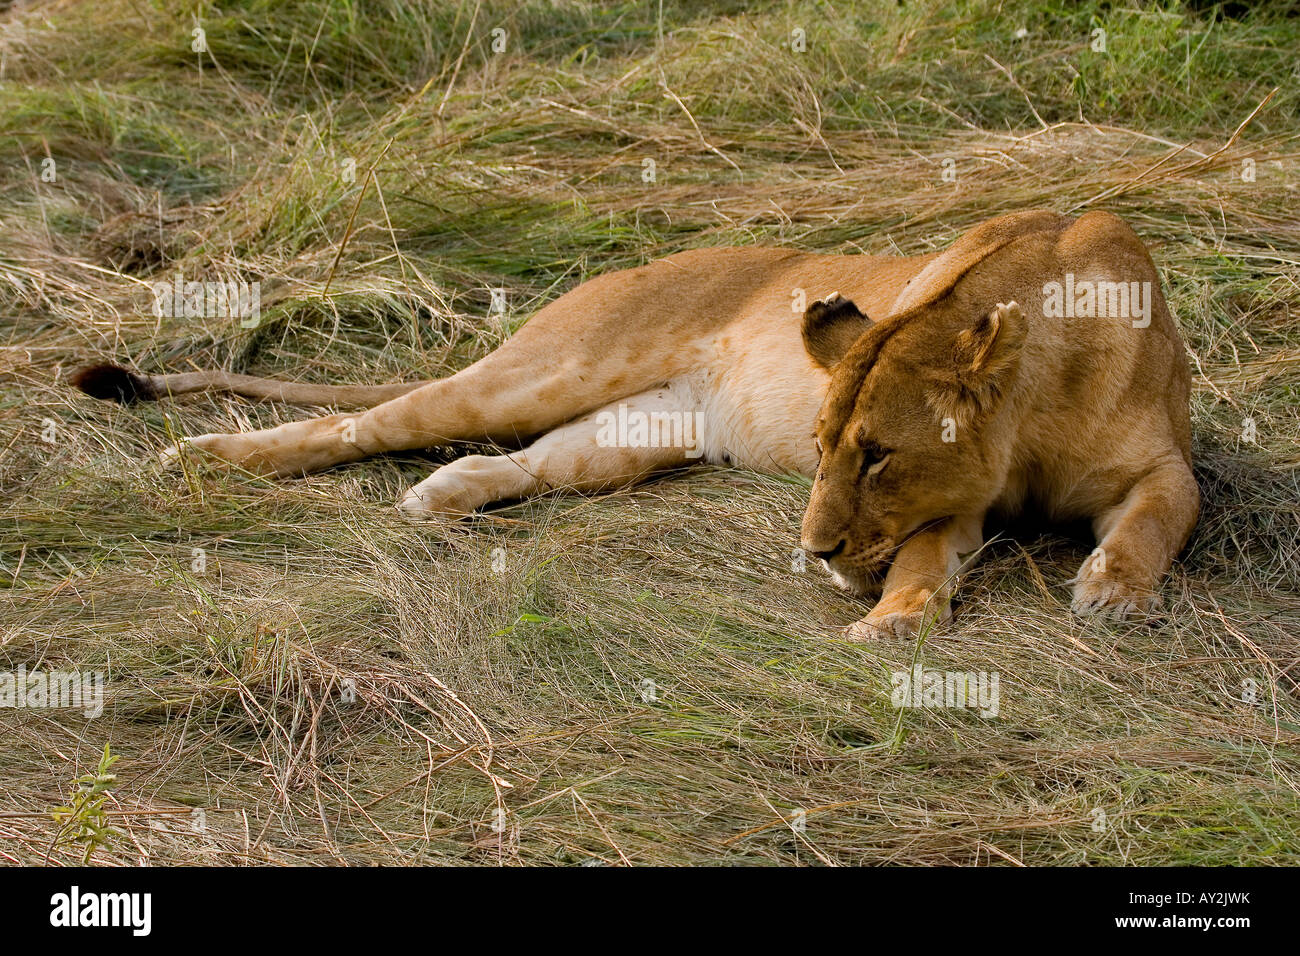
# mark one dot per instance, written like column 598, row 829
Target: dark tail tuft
column 114, row 383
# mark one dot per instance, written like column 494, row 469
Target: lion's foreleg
column 920, row 581
column 1138, row 539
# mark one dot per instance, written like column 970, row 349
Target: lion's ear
column 985, row 356
column 830, row 327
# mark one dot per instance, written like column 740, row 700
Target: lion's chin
column 862, row 583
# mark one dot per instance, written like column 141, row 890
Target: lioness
column 1032, row 363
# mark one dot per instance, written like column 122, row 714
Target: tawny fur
column 978, row 403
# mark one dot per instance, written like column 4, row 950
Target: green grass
column 337, row 686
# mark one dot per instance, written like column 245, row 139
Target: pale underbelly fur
column 755, row 407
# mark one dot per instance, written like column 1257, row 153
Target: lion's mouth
column 861, row 573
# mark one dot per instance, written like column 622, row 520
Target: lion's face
column 904, row 438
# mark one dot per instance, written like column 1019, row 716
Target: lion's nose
column 827, row 555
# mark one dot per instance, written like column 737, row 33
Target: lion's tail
column 114, row 383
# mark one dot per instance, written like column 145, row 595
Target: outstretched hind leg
column 583, row 350
column 509, row 396
column 591, row 453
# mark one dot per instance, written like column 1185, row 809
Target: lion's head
column 909, row 433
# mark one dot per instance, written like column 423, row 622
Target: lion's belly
column 757, row 399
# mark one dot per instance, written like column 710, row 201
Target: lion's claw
column 1097, row 596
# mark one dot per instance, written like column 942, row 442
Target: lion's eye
column 873, row 456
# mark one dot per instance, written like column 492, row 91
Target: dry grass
column 337, row 686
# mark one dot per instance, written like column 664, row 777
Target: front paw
column 874, row 627
column 899, row 615
column 1097, row 595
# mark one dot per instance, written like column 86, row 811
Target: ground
column 294, row 675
